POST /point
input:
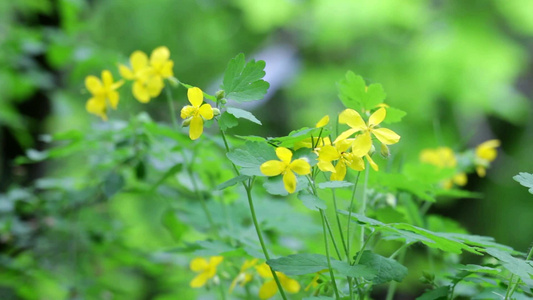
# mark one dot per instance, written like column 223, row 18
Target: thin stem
column 350, row 217
column 327, row 255
column 340, row 226
column 393, row 285
column 511, row 292
column 363, row 206
column 171, row 107
column 333, row 238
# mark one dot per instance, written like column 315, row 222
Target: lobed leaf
column 243, row 81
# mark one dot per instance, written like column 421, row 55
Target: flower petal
column 460, row 179
column 372, row 163
column 97, row 107
column 300, row 166
column 139, row 61
column 344, row 145
column 94, row 85
column 140, row 92
column 206, row 111
column 198, row 264
column 166, row 69
column 199, row 280
column 355, row 162
column 215, row 260
column 352, row 118
column 340, row 171
column 273, row 167
column 125, row 72
column 159, row 56
column 264, row 270
column 196, row 96
column 362, row 144
column 487, row 150
column 113, row 97
column 323, row 122
column 377, row 117
column 290, row 285
column 386, row 136
column 284, row 154
column 187, row 111
column 196, row 127
column 328, row 153
column 289, row 180
column 107, row 79
column 481, row 171
column 326, row 166
column 345, row 135
column 268, row 289
column 154, row 85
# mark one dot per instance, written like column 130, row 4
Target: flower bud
column 186, row 122
column 220, row 95
column 216, row 111
column 385, row 152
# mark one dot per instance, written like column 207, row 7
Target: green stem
column 327, row 255
column 222, row 292
column 340, row 226
column 392, row 287
column 350, row 217
column 511, row 292
column 171, row 107
column 333, row 238
column 363, row 206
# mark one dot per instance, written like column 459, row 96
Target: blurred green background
column 462, row 70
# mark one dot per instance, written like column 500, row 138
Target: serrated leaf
column 386, row 269
column 311, row 201
column 517, row 266
column 233, row 181
column 478, row 269
column 440, row 293
column 355, row 94
column 243, row 114
column 307, row 263
column 243, row 81
column 394, row 115
column 227, row 121
column 525, row 179
column 251, row 156
column 334, row 184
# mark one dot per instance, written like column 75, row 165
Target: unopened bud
column 216, row 280
column 216, row 111
column 186, row 122
column 385, row 152
column 220, row 95
column 372, row 150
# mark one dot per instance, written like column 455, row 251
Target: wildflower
column 161, row 63
column 363, row 143
column 244, row 276
column 270, row 288
column 103, row 93
column 485, row 154
column 330, row 153
column 444, row 157
column 206, row 269
column 286, row 167
column 145, row 85
column 196, row 113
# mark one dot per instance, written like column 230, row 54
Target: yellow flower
column 197, row 112
column 444, row 157
column 363, row 143
column 322, row 122
column 485, row 154
column 206, row 269
column 103, row 93
column 146, row 85
column 244, row 276
column 286, row 167
column 161, row 63
column 330, row 153
column 269, row 288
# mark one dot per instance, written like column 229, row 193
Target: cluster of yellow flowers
column 147, row 76
column 207, row 270
column 345, row 151
column 445, row 157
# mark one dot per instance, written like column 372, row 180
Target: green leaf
column 169, row 173
column 440, row 293
column 243, row 81
column 354, row 93
column 517, row 266
column 242, row 114
column 113, row 183
column 307, row 263
column 173, row 225
column 334, row 184
column 233, row 181
column 227, row 121
column 296, row 136
column 311, row 201
column 386, row 269
column 318, row 298
column 525, row 179
column 251, row 156
column 394, row 115
column 478, row 269
column 251, row 138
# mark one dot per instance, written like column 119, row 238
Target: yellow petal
column 198, row 264
column 386, row 136
column 140, row 92
column 289, row 285
column 125, row 72
column 284, row 154
column 352, row 118
column 487, row 150
column 372, row 163
column 264, row 270
column 139, row 61
column 113, row 97
column 289, row 180
column 154, row 85
column 355, row 162
column 460, row 179
column 362, row 144
column 206, row 111
column 300, row 166
column 94, row 85
column 481, row 171
column 166, row 69
column 248, row 264
column 187, row 111
column 328, row 153
column 273, row 167
column 268, row 289
column 345, row 135
column 199, row 280
column 195, row 95
column 107, row 79
column 326, row 166
column 97, row 107
column 196, row 127
column 323, row 122
column 215, row 260
column 343, row 145
column 159, row 56
column 377, row 117
column 340, row 171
